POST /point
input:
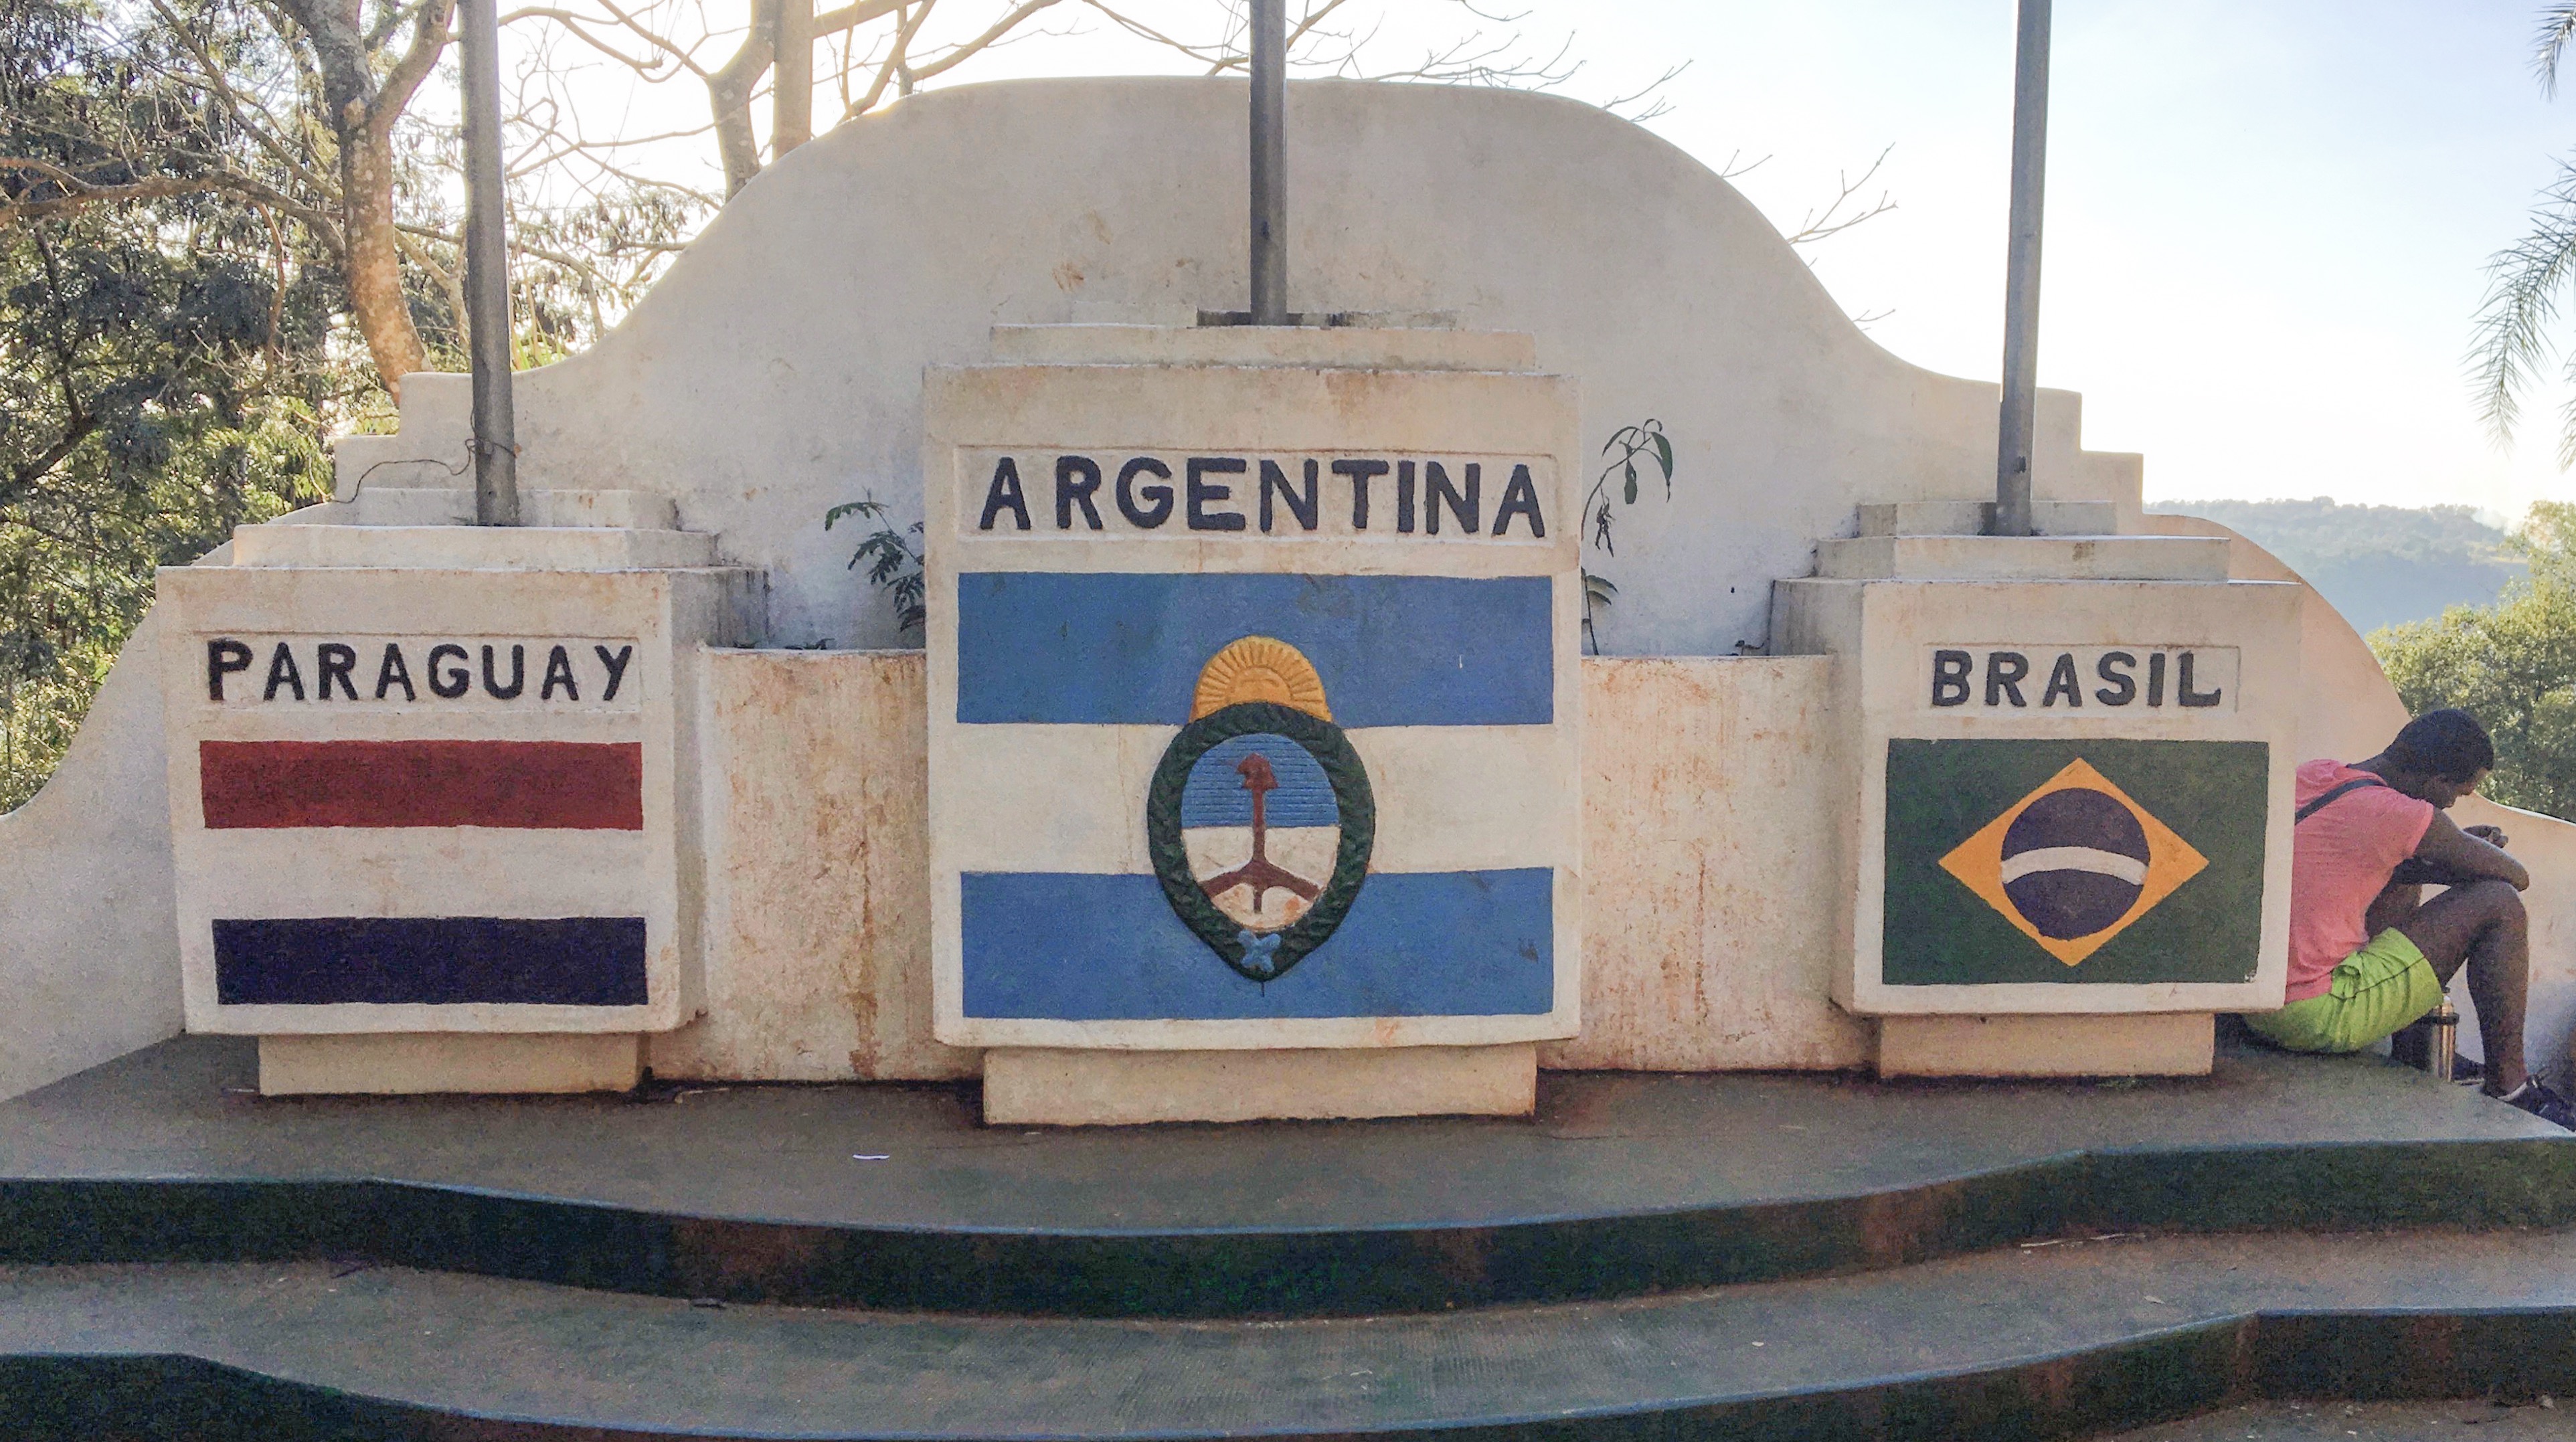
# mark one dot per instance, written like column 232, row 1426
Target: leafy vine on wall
column 1633, row 445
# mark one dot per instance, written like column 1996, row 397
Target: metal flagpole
column 1269, row 162
column 487, row 272
column 2021, row 282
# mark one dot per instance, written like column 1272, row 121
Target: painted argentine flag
column 1366, row 806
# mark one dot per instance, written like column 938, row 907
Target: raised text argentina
column 1488, row 498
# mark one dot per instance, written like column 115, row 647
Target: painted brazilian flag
column 2073, row 861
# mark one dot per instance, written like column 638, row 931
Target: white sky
column 2267, row 219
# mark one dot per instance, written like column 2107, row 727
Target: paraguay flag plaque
column 1263, row 736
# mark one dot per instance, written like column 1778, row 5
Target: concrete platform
column 2467, row 1419
column 2011, row 1344
column 895, row 1197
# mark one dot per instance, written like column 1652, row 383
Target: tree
column 867, row 53
column 295, row 112
column 166, row 364
column 2512, row 665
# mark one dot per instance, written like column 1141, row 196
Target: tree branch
column 1821, row 224
column 996, row 31
column 895, row 63
column 82, row 194
column 850, row 17
column 428, row 41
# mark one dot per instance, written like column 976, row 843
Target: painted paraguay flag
column 400, row 788
column 1221, row 807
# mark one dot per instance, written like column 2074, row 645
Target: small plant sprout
column 893, row 557
column 1627, row 447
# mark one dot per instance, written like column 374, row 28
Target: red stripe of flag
column 566, row 785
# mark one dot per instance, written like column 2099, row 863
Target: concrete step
column 451, row 506
column 1970, row 518
column 2524, row 1417
column 2022, row 558
column 895, row 1197
column 471, row 548
column 2018, row 1343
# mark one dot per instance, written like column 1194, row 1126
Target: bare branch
column 1660, row 106
column 391, row 21
column 624, row 21
column 1830, row 221
column 80, row 194
column 252, row 117
column 996, row 31
column 428, row 41
column 894, row 64
column 850, row 17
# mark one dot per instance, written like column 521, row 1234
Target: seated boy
column 2367, row 954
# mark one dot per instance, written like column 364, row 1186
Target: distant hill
column 2379, row 565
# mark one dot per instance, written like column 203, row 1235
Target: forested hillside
column 2379, row 565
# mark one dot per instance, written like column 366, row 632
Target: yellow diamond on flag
column 2074, row 863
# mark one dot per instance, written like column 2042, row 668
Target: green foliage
column 893, row 557
column 2512, row 665
column 1626, row 447
column 167, row 368
column 2378, row 565
column 174, row 339
column 1643, row 441
column 2515, row 341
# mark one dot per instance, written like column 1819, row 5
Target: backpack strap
column 2355, row 784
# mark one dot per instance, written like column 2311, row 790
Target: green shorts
column 2375, row 991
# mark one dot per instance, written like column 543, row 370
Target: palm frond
column 2557, row 28
column 2525, row 286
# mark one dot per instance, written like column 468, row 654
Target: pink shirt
column 2340, row 860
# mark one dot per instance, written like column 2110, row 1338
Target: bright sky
column 2267, row 219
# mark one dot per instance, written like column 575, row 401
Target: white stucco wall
column 777, row 369
column 89, row 944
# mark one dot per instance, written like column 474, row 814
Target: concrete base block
column 2143, row 1044
column 412, row 1063
column 1031, row 1086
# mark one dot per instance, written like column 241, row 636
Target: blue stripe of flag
column 1057, row 946
column 431, row 960
column 1108, row 649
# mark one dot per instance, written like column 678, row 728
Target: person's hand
column 2491, row 835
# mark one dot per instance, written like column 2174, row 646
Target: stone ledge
column 1032, row 1086
column 1349, row 347
column 2143, row 1044
column 417, row 1064
column 2022, row 558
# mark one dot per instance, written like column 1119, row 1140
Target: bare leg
column 2481, row 926
column 2391, row 907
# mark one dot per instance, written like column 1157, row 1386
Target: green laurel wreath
column 1351, row 797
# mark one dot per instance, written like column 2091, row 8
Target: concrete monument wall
column 779, row 370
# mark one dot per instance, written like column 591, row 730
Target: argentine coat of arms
column 1259, row 820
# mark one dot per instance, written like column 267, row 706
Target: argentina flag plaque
column 1253, row 707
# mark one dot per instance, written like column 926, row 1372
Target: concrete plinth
column 407, row 1064
column 2151, row 1044
column 1053, row 1087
